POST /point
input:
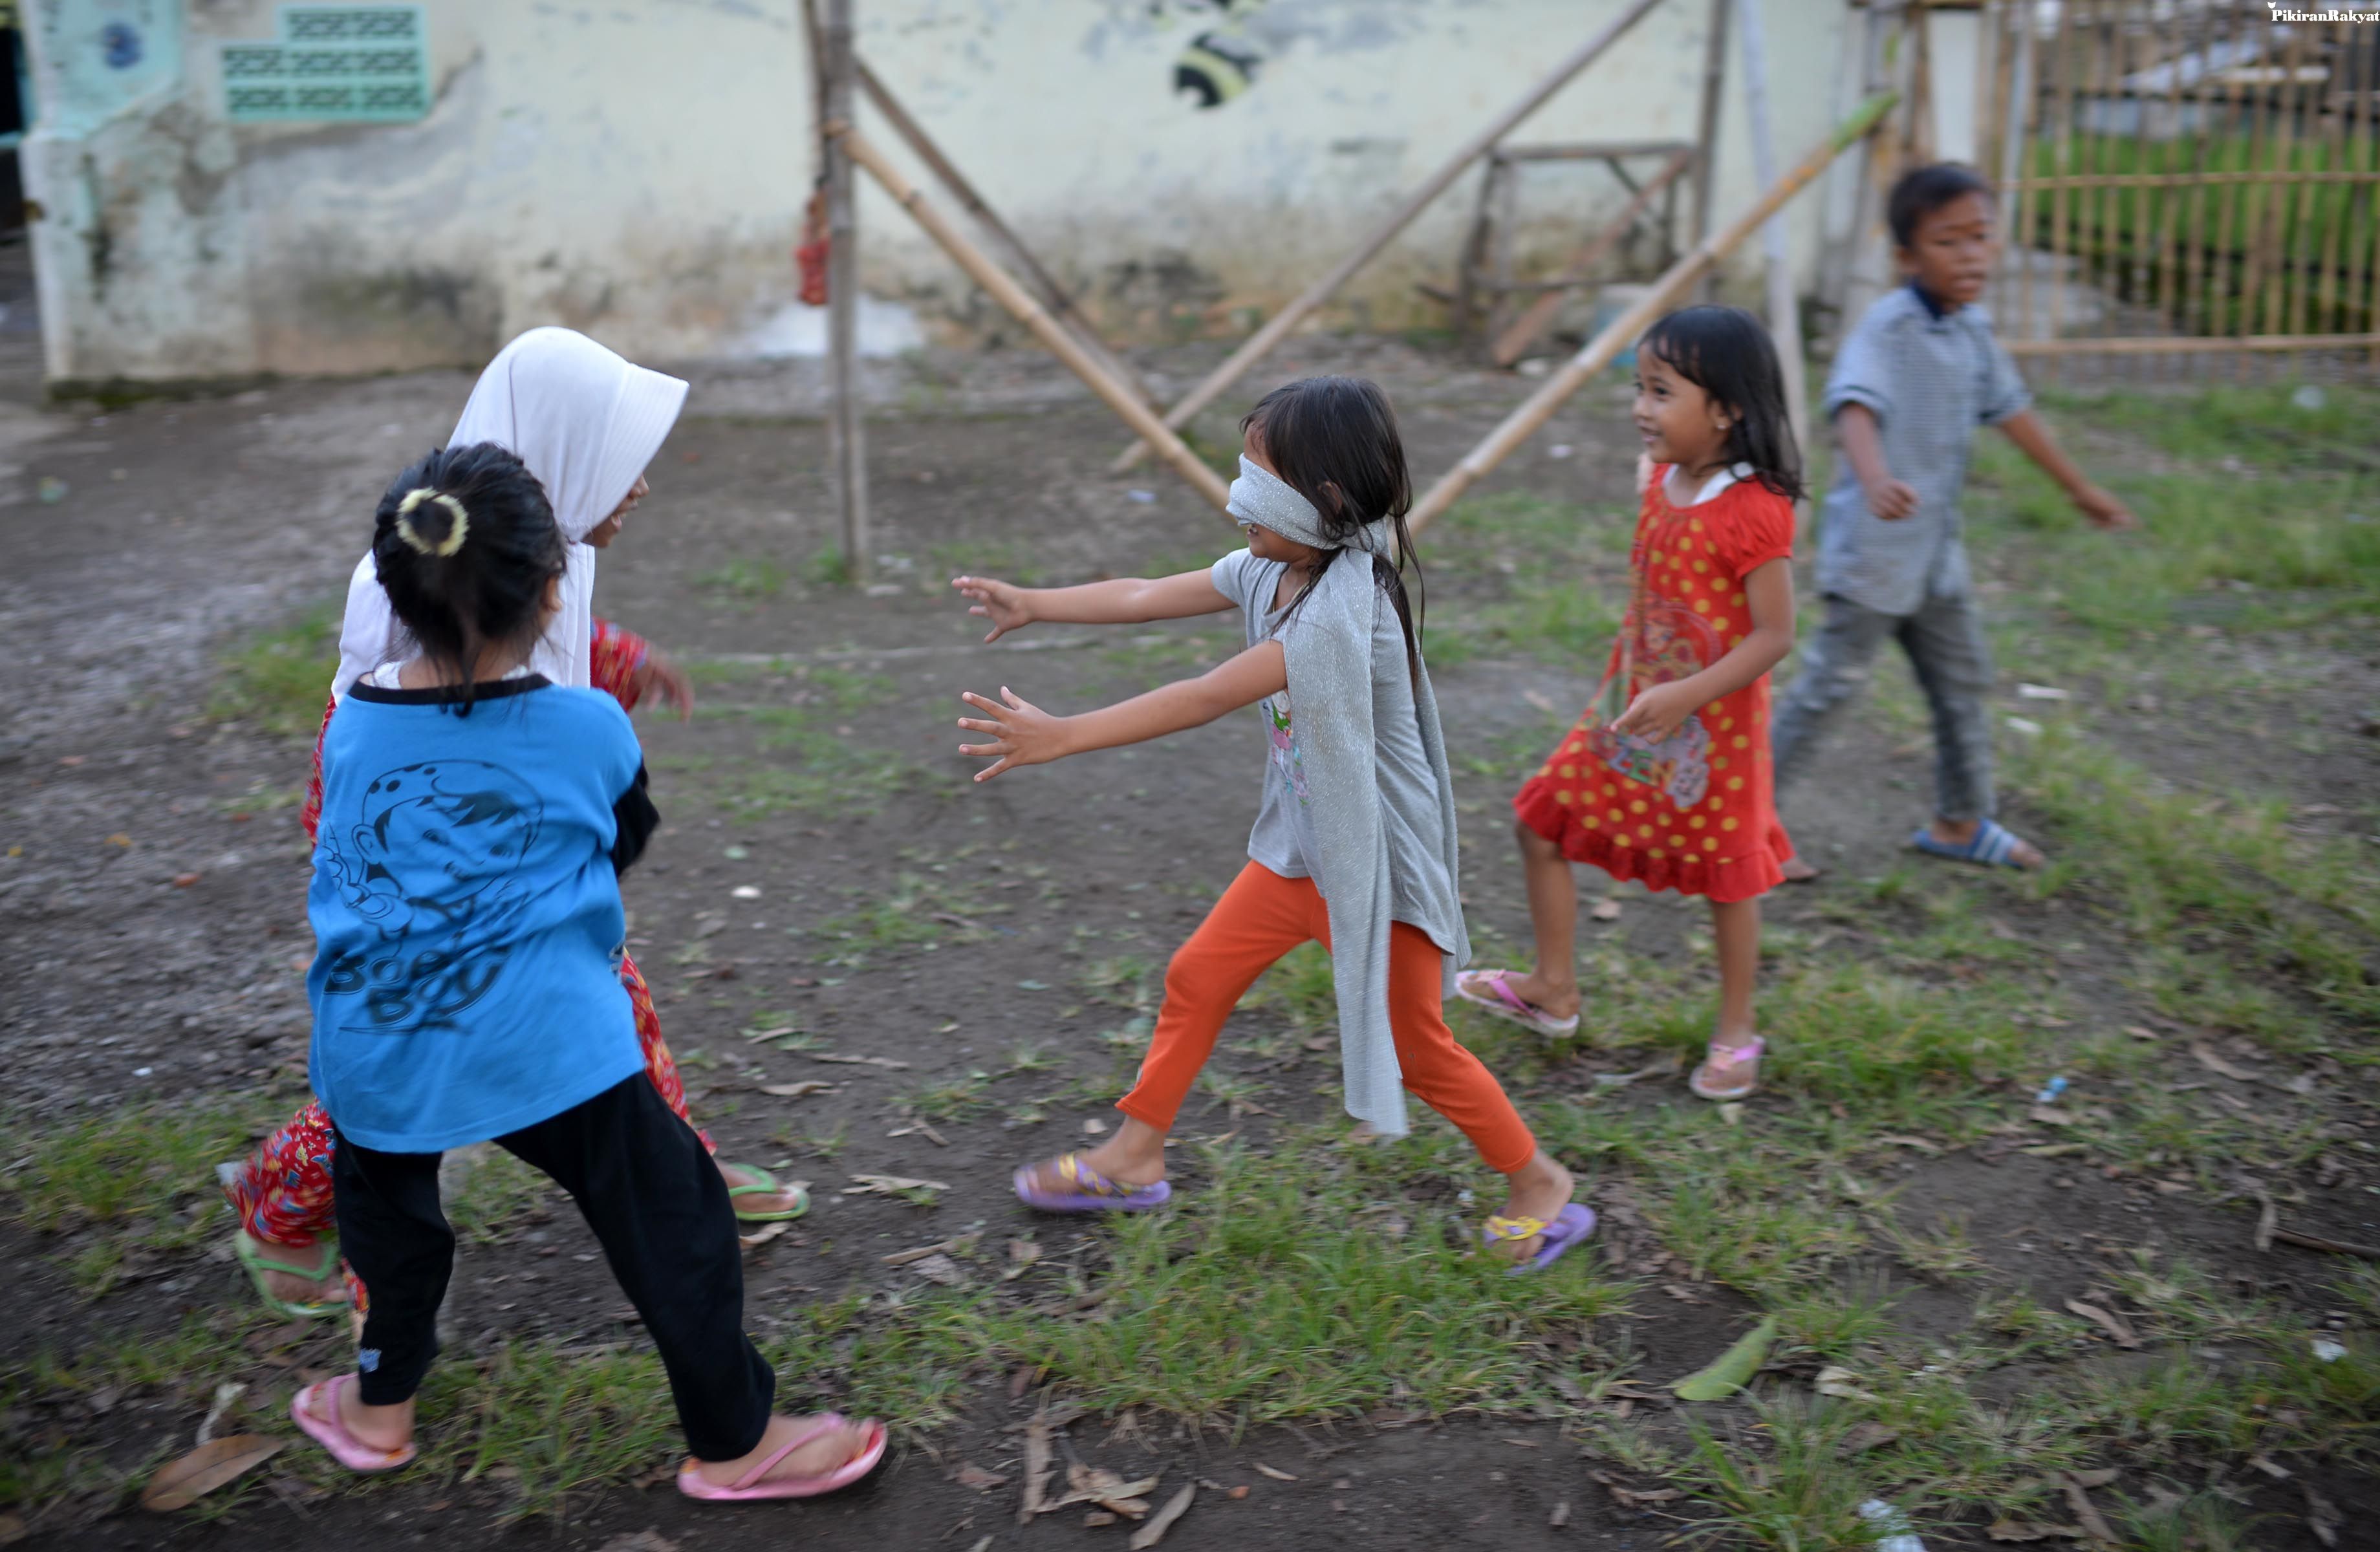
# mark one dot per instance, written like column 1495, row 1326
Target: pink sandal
column 1733, row 1056
column 332, row 1433
column 1491, row 992
column 749, row 1488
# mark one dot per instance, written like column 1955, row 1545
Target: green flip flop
column 765, row 1184
column 257, row 1264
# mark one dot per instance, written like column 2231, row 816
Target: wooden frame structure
column 1052, row 319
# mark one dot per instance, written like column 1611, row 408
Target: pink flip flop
column 749, row 1488
column 332, row 1433
column 1734, row 1056
column 1491, row 992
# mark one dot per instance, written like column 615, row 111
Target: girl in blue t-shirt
column 467, row 926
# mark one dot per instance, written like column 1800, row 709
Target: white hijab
column 586, row 422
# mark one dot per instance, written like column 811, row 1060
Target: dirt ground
column 154, row 883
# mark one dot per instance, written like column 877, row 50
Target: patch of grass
column 749, row 581
column 1797, row 1494
column 498, row 1194
column 829, row 567
column 279, row 680
column 921, row 909
column 1260, row 1298
column 141, row 1178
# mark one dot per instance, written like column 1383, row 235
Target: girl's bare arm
column 1023, row 734
column 1123, row 601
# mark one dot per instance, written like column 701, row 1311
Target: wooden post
column 1277, row 327
column 1706, row 128
column 1524, row 422
column 1784, row 306
column 846, row 432
column 1005, row 290
column 1533, row 323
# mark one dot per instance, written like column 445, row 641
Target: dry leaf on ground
column 1263, row 1470
column 643, row 1541
column 1605, row 910
column 2025, row 1530
column 957, row 1243
column 2106, row 1320
column 1162, row 1521
column 796, row 1090
column 889, row 1185
column 1098, row 1485
column 2213, row 1063
column 762, row 1235
column 182, row 1483
column 2095, row 1526
column 1037, row 1470
column 854, row 1060
column 940, row 1268
column 974, row 1476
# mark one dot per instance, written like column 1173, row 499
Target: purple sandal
column 1093, row 1192
column 1491, row 992
column 1570, row 1229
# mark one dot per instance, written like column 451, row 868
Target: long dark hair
column 1334, row 440
column 465, row 544
column 1726, row 353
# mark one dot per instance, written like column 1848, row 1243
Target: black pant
column 648, row 1190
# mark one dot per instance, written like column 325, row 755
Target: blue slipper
column 1992, row 845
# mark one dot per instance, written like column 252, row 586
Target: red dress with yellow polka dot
column 1696, row 812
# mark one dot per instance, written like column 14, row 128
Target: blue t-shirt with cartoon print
column 466, row 907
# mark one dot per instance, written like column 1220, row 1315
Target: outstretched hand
column 1023, row 733
column 1001, row 602
column 660, row 678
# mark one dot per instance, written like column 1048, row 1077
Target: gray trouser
column 1945, row 643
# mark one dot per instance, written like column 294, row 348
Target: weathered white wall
column 637, row 168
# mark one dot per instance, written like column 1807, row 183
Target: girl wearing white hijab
column 587, row 423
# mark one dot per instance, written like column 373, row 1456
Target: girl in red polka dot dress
column 1666, row 777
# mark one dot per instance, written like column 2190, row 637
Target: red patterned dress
column 283, row 1191
column 1696, row 813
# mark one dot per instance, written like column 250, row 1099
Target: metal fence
column 2185, row 181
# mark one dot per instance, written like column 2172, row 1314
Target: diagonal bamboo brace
column 1599, row 353
column 1005, row 290
column 1322, row 290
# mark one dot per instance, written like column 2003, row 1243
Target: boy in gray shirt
column 1913, row 379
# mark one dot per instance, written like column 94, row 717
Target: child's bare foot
column 829, row 1451
column 295, row 1287
column 786, row 1200
column 1796, row 871
column 1539, row 1189
column 387, row 1428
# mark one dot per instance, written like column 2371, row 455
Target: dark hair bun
column 465, row 544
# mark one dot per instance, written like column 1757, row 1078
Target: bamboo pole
column 2062, row 158
column 1784, row 306
column 1706, row 122
column 846, row 431
column 1043, row 285
column 1277, row 327
column 2324, row 312
column 1005, row 290
column 1524, row 421
column 1540, row 315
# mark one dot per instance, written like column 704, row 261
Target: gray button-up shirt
column 1930, row 378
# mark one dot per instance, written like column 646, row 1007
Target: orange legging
column 1261, row 917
